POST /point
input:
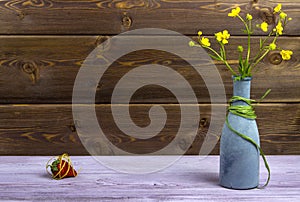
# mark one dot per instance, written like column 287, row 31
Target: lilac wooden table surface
column 190, row 179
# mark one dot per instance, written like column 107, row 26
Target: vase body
column 239, row 159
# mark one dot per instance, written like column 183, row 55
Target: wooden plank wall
column 43, row 44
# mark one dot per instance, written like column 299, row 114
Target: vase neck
column 242, row 88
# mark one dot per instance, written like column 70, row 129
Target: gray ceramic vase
column 239, row 159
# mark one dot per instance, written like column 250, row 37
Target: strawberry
column 62, row 167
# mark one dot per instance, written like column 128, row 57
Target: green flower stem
column 215, row 52
column 221, row 59
column 259, row 59
column 257, row 55
column 250, row 26
column 249, row 49
column 228, row 66
column 223, row 50
column 249, row 34
column 267, row 37
column 241, row 65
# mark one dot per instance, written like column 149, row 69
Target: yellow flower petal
column 223, row 36
column 234, row 12
column 205, row 41
column 277, row 8
column 224, row 41
column 286, row 54
column 226, row 34
column 219, row 36
column 279, row 28
column 199, row 33
column 282, row 15
column 264, row 26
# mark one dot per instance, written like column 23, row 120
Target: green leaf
column 240, row 67
column 246, row 64
column 237, row 78
column 241, row 64
column 54, row 165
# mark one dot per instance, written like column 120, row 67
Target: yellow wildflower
column 222, row 36
column 279, row 28
column 226, row 35
column 249, row 17
column 272, row 46
column 234, row 12
column 290, row 19
column 219, row 36
column 205, row 41
column 286, row 54
column 192, row 43
column 264, row 26
column 277, row 8
column 282, row 15
column 199, row 33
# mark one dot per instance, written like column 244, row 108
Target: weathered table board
column 43, row 44
column 192, row 178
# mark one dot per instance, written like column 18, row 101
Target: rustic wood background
column 44, row 42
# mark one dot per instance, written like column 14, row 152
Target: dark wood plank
column 191, row 178
column 53, row 60
column 113, row 17
column 42, row 69
column 49, row 129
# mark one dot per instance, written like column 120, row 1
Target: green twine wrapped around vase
column 240, row 146
column 247, row 111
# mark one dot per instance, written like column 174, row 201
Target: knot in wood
column 127, row 21
column 29, row 68
column 203, row 122
column 266, row 14
column 72, row 127
column 100, row 40
column 183, row 144
column 167, row 62
column 274, row 58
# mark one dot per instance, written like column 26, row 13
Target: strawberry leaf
column 54, row 166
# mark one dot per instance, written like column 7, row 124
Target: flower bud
column 240, row 49
column 272, row 46
column 249, row 17
column 192, row 43
column 282, row 15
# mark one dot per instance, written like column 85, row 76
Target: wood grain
column 113, row 17
column 43, row 44
column 42, row 69
column 49, row 129
column 192, row 178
